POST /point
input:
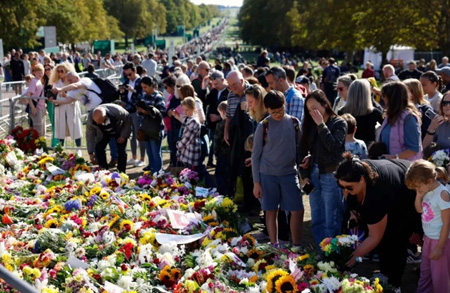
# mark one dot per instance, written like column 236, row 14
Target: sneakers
column 79, row 153
column 139, row 163
column 131, row 161
column 414, row 257
column 283, row 243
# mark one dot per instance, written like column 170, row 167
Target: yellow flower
column 208, row 218
column 50, row 290
column 126, row 224
column 145, row 196
column 273, row 278
column 104, row 195
column 113, row 221
column 52, row 223
column 45, row 160
column 165, row 274
column 95, row 190
column 303, row 257
column 286, row 284
column 147, row 238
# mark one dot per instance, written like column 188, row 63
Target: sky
column 219, row 2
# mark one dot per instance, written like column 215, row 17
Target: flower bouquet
column 25, row 139
column 440, row 158
column 339, row 249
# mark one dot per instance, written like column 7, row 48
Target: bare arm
column 71, row 87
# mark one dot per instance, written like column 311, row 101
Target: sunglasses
column 349, row 188
column 340, row 89
column 445, row 103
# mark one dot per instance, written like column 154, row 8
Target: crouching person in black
column 110, row 121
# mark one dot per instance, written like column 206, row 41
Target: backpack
column 109, row 91
column 331, row 75
column 266, row 131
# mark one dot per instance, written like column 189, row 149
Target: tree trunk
column 349, row 57
column 126, row 41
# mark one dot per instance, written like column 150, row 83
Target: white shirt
column 89, row 99
column 150, row 66
column 26, row 66
column 132, row 83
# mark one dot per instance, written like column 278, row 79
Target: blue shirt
column 294, row 103
column 411, row 132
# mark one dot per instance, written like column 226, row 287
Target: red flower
column 127, row 250
column 6, row 220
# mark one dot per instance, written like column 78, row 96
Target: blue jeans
column 113, row 149
column 327, row 206
column 153, row 147
column 223, row 177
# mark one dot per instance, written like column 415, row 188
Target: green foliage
column 346, row 25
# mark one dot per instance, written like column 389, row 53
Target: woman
column 153, row 98
column 47, row 90
column 360, row 105
column 255, row 102
column 37, row 107
column 400, row 131
column 432, row 86
column 343, row 83
column 432, row 66
column 323, row 136
column 377, row 196
column 187, row 90
column 439, row 129
column 172, row 124
column 415, row 93
column 67, row 116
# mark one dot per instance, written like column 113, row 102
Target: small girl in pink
column 433, row 202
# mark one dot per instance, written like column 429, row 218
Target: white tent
column 397, row 52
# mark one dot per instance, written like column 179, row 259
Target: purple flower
column 115, row 175
column 92, row 200
column 74, row 204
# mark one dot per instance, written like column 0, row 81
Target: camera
column 48, row 92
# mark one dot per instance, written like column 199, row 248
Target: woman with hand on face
column 323, row 136
column 439, row 129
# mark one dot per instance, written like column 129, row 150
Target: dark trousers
column 250, row 201
column 211, row 149
column 222, row 175
column 172, row 137
column 101, row 154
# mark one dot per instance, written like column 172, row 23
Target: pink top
column 36, row 90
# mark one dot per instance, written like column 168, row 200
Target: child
column 355, row 146
column 189, row 149
column 433, row 202
column 222, row 150
column 274, row 167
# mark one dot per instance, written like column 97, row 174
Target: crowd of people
column 356, row 148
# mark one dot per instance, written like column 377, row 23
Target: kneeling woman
column 376, row 194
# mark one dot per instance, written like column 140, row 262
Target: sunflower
column 86, row 168
column 95, row 190
column 286, row 284
column 273, row 278
column 127, row 225
column 254, row 253
column 145, row 196
column 104, row 195
column 113, row 221
column 250, row 239
column 52, row 223
column 309, row 270
column 58, row 177
column 175, row 274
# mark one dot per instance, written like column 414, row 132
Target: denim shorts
column 281, row 191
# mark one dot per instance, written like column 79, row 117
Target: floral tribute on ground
column 66, row 227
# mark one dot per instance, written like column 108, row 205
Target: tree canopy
column 346, row 25
column 87, row 20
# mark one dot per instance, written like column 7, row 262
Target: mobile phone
column 430, row 114
column 307, row 188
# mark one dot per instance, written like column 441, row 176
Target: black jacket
column 211, row 104
column 326, row 145
column 135, row 97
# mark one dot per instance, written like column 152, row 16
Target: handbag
column 151, row 125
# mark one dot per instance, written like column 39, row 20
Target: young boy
column 356, row 146
column 274, row 167
column 221, row 151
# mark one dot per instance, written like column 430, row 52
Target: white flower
column 332, row 283
column 126, row 282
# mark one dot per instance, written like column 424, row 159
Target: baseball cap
column 216, row 75
column 444, row 70
column 302, row 79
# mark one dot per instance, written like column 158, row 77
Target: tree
column 20, row 21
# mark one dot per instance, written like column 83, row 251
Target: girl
column 432, row 85
column 189, row 149
column 37, row 107
column 433, row 202
column 153, row 145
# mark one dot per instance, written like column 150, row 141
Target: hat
column 216, row 75
column 444, row 70
column 302, row 79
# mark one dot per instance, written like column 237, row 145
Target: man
column 444, row 72
column 112, row 121
column 190, row 66
column 41, row 56
column 247, row 72
column 203, row 71
column 411, row 72
column 290, row 77
column 444, row 62
column 368, row 71
column 217, row 94
column 17, row 72
column 277, row 80
column 236, row 85
column 389, row 75
column 107, row 62
column 131, row 91
column 150, row 65
column 422, row 66
column 329, row 79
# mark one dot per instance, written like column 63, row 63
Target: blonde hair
column 420, row 171
column 442, row 174
column 415, row 88
column 28, row 77
column 38, row 67
column 68, row 67
column 223, row 106
column 190, row 103
column 258, row 93
column 248, row 146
